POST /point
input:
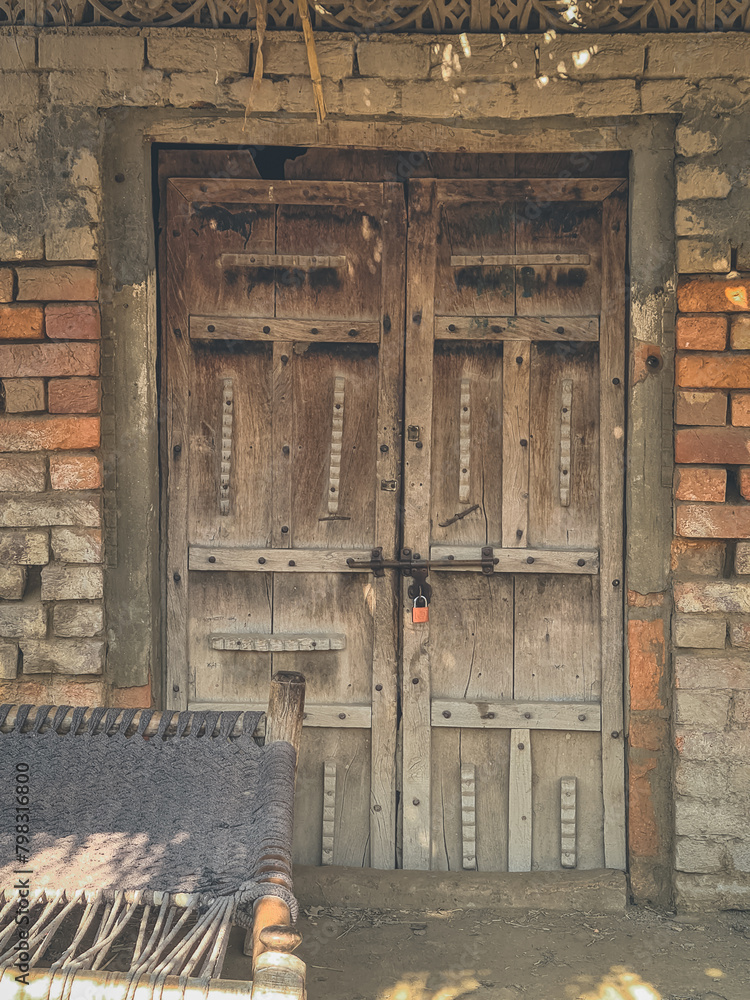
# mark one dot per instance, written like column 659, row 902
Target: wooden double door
column 431, row 371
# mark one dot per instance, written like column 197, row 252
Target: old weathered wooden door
column 288, row 454
column 512, row 693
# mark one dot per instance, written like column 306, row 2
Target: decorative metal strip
column 301, row 262
column 568, row 822
column 469, row 817
column 337, row 438
column 464, row 443
column 566, row 473
column 430, row 16
column 504, row 259
column 227, row 419
column 329, row 810
column 278, row 642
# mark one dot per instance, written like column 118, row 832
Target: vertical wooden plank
column 515, row 515
column 612, row 479
column 519, row 802
column 384, row 589
column 281, row 445
column 178, row 363
column 469, row 817
column 416, row 734
column 568, row 822
column 329, row 811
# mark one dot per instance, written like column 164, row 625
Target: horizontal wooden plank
column 277, row 642
column 508, row 714
column 541, row 189
column 239, row 191
column 298, row 261
column 516, row 328
column 519, row 560
column 518, row 259
column 320, row 716
column 270, row 329
column 249, row 560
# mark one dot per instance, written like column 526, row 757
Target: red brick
column 743, row 481
column 646, row 649
column 643, row 834
column 75, row 472
column 698, row 520
column 704, row 408
column 21, row 322
column 48, row 433
column 741, row 409
column 26, row 693
column 66, row 691
column 37, row 360
column 713, row 371
column 648, row 733
column 636, row 600
column 67, row 284
column 707, row 294
column 74, row 395
column 702, row 333
column 712, row 445
column 66, row 322
column 701, row 483
column 6, row 284
column 703, row 558
column 137, row 697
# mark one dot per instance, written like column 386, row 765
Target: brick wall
column 711, row 590
column 51, row 575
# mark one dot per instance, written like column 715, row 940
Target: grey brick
column 63, row 656
column 26, row 619
column 697, row 855
column 77, row 620
column 8, row 660
column 12, row 582
column 90, row 51
column 698, row 632
column 77, row 545
column 24, row 548
column 702, row 708
column 63, row 582
column 22, row 473
column 39, row 511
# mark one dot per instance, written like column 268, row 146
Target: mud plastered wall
column 63, row 93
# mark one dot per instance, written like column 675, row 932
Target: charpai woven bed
column 138, row 840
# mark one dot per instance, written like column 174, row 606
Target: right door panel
column 512, row 692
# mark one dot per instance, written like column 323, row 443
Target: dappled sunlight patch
column 620, row 984
column 414, row 987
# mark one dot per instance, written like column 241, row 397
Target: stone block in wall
column 61, row 50
column 700, row 407
column 37, row 360
column 12, row 582
column 63, row 656
column 23, row 395
column 75, row 472
column 83, row 88
column 74, row 395
column 268, row 97
column 691, row 221
column 702, row 892
column 67, row 283
column 32, row 511
column 395, row 58
column 702, row 709
column 693, row 854
column 77, row 545
column 739, row 633
column 739, row 336
column 77, row 620
column 711, row 445
column 707, row 332
column 22, row 473
column 725, row 818
column 693, row 141
column 716, row 371
column 699, row 633
column 743, row 481
column 478, row 57
column 723, row 596
column 698, row 181
column 7, row 278
column 284, row 54
column 704, row 482
column 19, row 89
column 24, row 619
column 65, row 242
column 695, row 256
column 699, row 778
column 698, row 558
column 730, row 672
column 742, row 558
column 170, row 50
column 739, row 855
column 710, row 294
column 20, row 322
column 24, row 547
column 64, row 321
column 39, row 433
column 740, row 711
column 740, row 409
column 604, row 57
column 66, row 582
column 8, row 660
column 699, row 56
column 356, row 96
column 701, row 520
column 17, row 52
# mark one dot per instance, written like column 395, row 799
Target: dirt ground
column 522, row 955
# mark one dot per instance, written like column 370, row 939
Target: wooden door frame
column 130, row 330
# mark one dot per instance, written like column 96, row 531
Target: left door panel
column 283, row 352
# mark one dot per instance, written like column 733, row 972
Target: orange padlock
column 420, row 612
